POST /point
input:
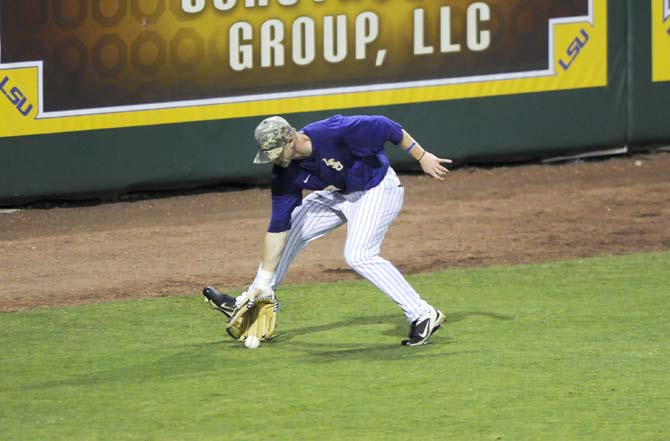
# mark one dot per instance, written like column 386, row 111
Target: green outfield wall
column 648, row 73
column 100, row 99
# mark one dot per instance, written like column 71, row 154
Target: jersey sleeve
column 366, row 134
column 285, row 198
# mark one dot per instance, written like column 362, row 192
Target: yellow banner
column 660, row 40
column 86, row 65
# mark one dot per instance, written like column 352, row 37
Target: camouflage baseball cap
column 271, row 135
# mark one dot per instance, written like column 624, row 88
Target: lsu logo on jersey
column 332, row 163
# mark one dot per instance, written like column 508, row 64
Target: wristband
column 411, row 146
column 264, row 278
column 422, row 154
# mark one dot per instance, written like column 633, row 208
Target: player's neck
column 303, row 145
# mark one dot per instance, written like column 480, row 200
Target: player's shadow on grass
column 399, row 328
column 327, row 352
column 291, row 333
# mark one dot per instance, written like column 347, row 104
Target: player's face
column 287, row 154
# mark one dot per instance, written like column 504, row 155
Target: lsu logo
column 15, row 97
column 573, row 49
column 332, row 163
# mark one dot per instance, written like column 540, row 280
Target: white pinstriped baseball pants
column 368, row 215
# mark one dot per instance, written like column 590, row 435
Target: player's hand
column 258, row 291
column 432, row 165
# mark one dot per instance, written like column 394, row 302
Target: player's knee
column 358, row 261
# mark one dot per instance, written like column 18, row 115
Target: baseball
column 252, row 342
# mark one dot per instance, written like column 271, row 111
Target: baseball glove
column 255, row 315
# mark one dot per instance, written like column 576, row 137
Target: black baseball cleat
column 422, row 328
column 219, row 301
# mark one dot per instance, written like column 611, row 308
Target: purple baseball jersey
column 347, row 155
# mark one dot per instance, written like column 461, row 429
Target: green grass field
column 569, row 351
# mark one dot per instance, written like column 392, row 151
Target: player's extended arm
column 272, row 251
column 430, row 164
column 255, row 310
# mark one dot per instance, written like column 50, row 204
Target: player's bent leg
column 369, row 217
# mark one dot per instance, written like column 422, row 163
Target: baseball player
column 342, row 159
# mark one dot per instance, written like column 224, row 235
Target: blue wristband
column 411, row 146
